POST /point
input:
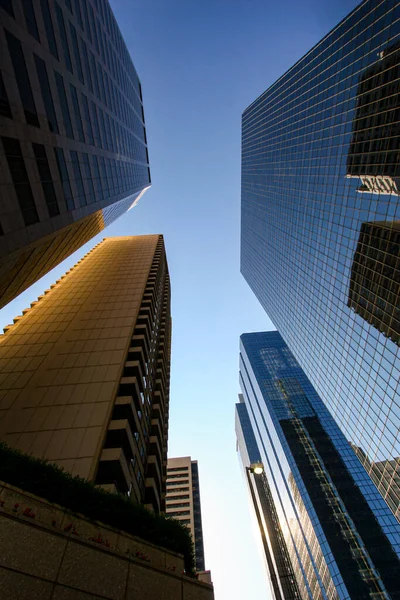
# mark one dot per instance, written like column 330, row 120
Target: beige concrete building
column 183, row 501
column 84, row 372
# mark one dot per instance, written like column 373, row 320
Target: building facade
column 342, row 539
column 183, row 500
column 85, row 370
column 73, row 148
column 279, row 567
column 320, row 220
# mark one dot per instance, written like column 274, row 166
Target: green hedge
column 80, row 496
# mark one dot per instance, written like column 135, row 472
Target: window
column 48, row 25
column 86, row 19
column 16, row 164
column 46, row 93
column 5, row 109
column 94, row 76
column 63, row 36
column 80, row 197
column 78, row 13
column 89, row 81
column 88, row 180
column 7, row 5
column 75, row 47
column 30, row 19
column 62, row 168
column 95, row 122
column 86, row 118
column 46, row 179
column 64, row 105
column 99, row 196
column 77, row 112
column 22, row 77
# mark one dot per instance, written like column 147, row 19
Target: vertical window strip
column 46, row 179
column 86, row 20
column 87, row 68
column 5, row 109
column 48, row 25
column 75, row 48
column 19, row 175
column 81, row 196
column 77, row 112
column 86, row 118
column 46, row 94
column 63, row 171
column 30, row 19
column 96, row 178
column 78, row 13
column 88, row 179
column 64, row 105
column 63, row 36
column 22, row 77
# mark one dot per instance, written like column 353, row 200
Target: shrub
column 50, row 482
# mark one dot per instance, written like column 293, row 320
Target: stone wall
column 47, row 553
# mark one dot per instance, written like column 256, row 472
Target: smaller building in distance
column 318, row 508
column 183, row 501
column 374, row 291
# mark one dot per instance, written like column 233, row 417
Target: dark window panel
column 16, row 164
column 101, row 82
column 86, row 20
column 46, row 94
column 80, row 198
column 63, row 36
column 88, row 179
column 95, row 123
column 30, row 18
column 62, row 168
column 7, row 5
column 64, row 105
column 97, row 179
column 68, row 4
column 77, row 56
column 78, row 13
column 94, row 76
column 48, row 25
column 86, row 117
column 77, row 112
column 46, row 179
column 22, row 77
column 5, row 109
column 93, row 23
column 103, row 176
column 87, row 68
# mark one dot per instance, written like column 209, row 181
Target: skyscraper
column 183, row 500
column 73, row 148
column 280, row 570
column 341, row 537
column 320, row 220
column 85, row 371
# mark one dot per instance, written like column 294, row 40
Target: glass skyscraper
column 73, row 148
column 323, row 513
column 320, row 238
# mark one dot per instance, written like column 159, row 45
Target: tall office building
column 85, row 371
column 280, row 570
column 321, row 217
column 183, row 500
column 73, row 148
column 341, row 537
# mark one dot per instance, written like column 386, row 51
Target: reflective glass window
column 64, row 105
column 48, row 25
column 22, row 77
column 46, row 179
column 22, row 186
column 46, row 93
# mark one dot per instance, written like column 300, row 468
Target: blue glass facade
column 320, row 238
column 342, row 538
column 70, row 96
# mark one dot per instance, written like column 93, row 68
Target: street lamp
column 256, row 468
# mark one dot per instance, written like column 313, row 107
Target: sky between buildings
column 201, row 63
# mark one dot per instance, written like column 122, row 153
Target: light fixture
column 257, row 468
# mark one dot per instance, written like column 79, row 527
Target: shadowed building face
column 85, row 370
column 73, row 148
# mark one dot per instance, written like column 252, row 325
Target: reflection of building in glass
column 183, row 500
column 73, row 147
column 386, row 476
column 281, row 575
column 301, row 220
column 85, row 370
column 374, row 291
column 374, row 153
column 342, row 539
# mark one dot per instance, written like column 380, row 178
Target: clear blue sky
column 201, row 62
